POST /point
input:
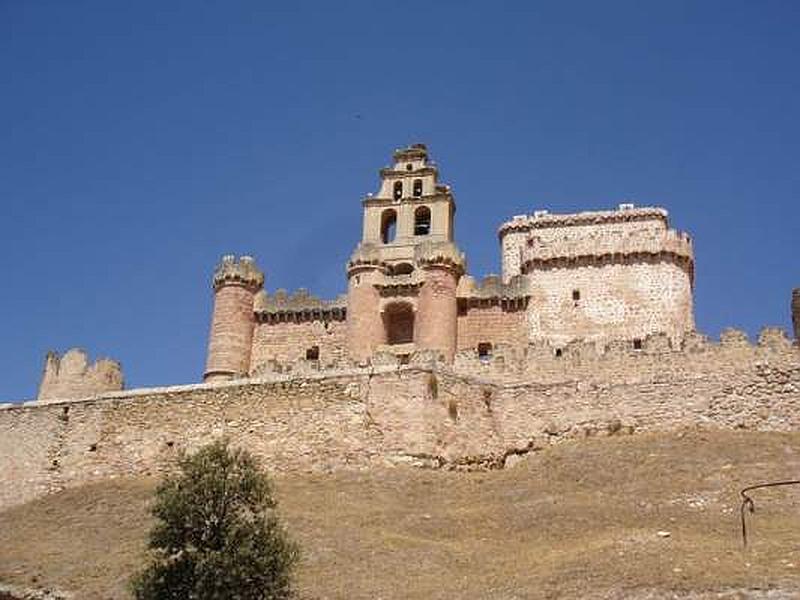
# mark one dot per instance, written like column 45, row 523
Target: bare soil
column 644, row 516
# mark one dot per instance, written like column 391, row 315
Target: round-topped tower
column 236, row 283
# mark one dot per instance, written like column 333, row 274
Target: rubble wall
column 480, row 415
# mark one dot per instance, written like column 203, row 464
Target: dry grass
column 575, row 520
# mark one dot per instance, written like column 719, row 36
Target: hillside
column 575, row 520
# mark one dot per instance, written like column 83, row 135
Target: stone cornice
column 440, row 196
column 243, row 271
column 406, row 174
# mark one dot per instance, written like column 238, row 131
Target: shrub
column 217, row 536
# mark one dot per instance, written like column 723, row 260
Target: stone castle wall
column 286, row 341
column 482, row 414
column 614, row 301
column 493, row 324
column 72, row 376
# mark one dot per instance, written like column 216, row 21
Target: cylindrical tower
column 796, row 312
column 437, row 307
column 230, row 341
column 365, row 329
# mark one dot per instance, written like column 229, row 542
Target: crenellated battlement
column 492, row 286
column 299, row 305
column 242, row 271
column 654, row 356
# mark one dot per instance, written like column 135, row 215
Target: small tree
column 217, row 536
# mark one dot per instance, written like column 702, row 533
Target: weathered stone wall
column 288, row 341
column 420, row 414
column 71, row 376
column 493, row 324
column 615, row 301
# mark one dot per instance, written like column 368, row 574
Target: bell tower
column 403, row 274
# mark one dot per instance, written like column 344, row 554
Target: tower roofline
column 543, row 219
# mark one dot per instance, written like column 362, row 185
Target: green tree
column 217, row 536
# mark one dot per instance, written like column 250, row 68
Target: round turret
column 236, row 282
column 365, row 329
column 437, row 308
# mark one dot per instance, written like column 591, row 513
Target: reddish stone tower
column 796, row 312
column 437, row 329
column 230, row 341
column 402, row 277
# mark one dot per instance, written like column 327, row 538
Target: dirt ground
column 644, row 516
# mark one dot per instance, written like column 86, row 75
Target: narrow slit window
column 312, row 353
column 484, row 351
column 637, row 344
column 398, row 190
column 576, row 295
column 417, row 188
column 559, row 352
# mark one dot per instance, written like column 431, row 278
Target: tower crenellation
column 242, row 271
column 235, row 284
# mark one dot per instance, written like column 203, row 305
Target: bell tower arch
column 396, row 282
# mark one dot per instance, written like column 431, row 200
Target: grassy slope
column 569, row 521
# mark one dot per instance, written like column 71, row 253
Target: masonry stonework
column 472, row 414
column 233, row 321
column 589, row 330
column 71, row 376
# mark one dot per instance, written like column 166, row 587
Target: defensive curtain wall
column 480, row 412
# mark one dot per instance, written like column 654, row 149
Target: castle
column 598, row 276
column 589, row 330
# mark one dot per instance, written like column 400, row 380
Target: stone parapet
column 300, row 304
column 548, row 253
column 545, row 220
column 243, row 271
column 492, row 287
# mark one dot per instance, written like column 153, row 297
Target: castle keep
column 596, row 276
column 588, row 330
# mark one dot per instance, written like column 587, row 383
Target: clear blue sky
column 139, row 141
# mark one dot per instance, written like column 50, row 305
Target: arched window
column 403, row 269
column 398, row 190
column 399, row 322
column 417, row 188
column 388, row 226
column 422, row 221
